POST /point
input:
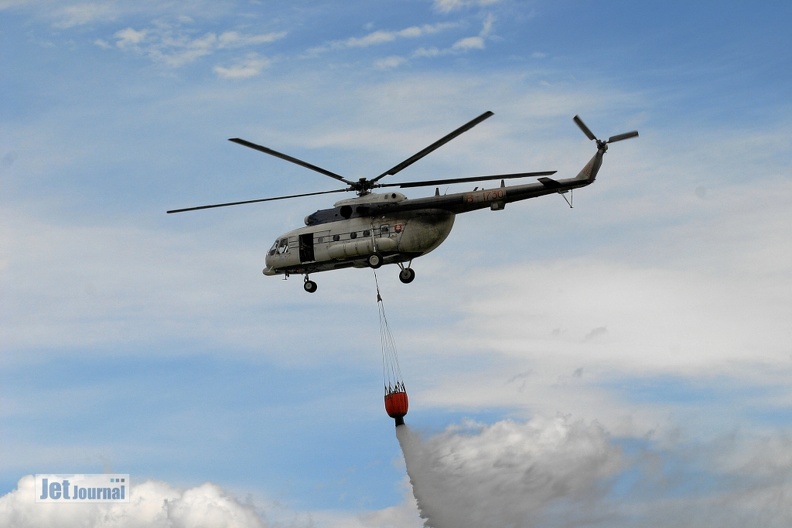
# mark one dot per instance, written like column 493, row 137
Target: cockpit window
column 280, row 247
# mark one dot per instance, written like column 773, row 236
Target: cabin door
column 306, row 248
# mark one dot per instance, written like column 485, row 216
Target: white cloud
column 379, row 37
column 372, row 39
column 234, row 39
column 175, row 45
column 469, row 43
column 129, row 37
column 152, row 505
column 101, row 271
column 82, row 14
column 387, row 63
column 463, row 45
column 446, row 6
column 251, row 66
column 476, row 42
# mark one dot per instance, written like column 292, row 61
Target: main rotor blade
column 292, row 159
column 428, row 183
column 434, row 146
column 619, row 137
column 584, row 128
column 212, row 206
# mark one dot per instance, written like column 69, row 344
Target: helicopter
column 377, row 228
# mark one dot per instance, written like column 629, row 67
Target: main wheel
column 375, row 260
column 407, row 275
column 309, row 286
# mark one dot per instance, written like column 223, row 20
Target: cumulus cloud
column 152, row 504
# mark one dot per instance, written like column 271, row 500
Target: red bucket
column 396, row 404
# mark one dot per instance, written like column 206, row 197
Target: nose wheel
column 374, row 260
column 309, row 285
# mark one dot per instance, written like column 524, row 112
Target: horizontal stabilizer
column 549, row 182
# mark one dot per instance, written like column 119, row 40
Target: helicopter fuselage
column 350, row 233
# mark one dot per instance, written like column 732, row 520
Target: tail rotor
column 602, row 145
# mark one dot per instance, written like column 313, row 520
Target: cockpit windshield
column 280, row 247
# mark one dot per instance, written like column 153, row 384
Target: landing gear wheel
column 309, row 286
column 407, row 275
column 375, row 260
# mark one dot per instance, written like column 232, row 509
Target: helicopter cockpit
column 280, row 247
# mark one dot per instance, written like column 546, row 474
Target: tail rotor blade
column 584, row 128
column 603, row 144
column 619, row 137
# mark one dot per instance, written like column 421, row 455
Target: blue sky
column 647, row 329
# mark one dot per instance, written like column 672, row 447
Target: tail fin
column 589, row 172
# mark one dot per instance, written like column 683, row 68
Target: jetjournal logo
column 100, row 487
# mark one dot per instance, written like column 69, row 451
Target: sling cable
column 396, row 402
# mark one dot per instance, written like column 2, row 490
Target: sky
column 625, row 362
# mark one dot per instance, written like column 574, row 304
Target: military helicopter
column 374, row 228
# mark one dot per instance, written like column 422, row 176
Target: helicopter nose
column 268, row 268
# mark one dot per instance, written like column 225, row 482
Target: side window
column 283, row 245
column 385, row 231
column 274, row 248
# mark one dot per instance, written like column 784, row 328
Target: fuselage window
column 384, row 231
column 353, row 235
column 336, row 238
column 366, row 233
